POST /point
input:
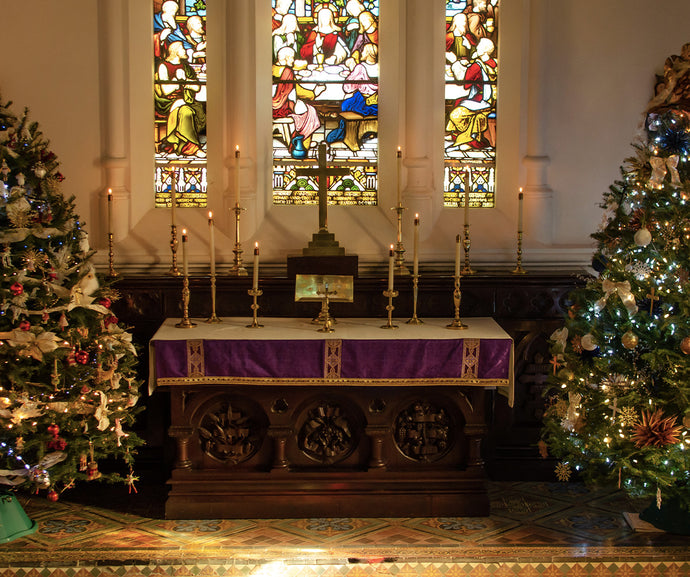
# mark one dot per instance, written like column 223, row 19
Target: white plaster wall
column 603, row 57
column 599, row 60
column 50, row 64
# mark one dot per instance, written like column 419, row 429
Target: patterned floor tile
column 462, row 529
column 535, row 529
column 592, row 525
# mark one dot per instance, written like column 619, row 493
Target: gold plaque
column 315, row 287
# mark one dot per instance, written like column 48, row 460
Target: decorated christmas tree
column 619, row 409
column 68, row 385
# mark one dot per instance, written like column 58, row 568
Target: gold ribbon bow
column 31, row 345
column 660, row 166
column 622, row 289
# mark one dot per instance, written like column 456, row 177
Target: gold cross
column 652, row 298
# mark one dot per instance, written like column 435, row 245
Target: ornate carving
column 424, row 431
column 229, row 434
column 327, row 434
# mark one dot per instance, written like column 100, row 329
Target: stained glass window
column 179, row 46
column 325, row 89
column 471, row 69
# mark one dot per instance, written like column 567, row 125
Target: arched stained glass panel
column 471, row 72
column 179, row 43
column 325, row 89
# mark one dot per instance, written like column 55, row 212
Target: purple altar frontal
column 290, row 351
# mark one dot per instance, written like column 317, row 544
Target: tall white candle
column 212, row 242
column 520, row 196
column 255, row 280
column 467, row 197
column 185, row 265
column 457, row 256
column 173, row 196
column 415, row 265
column 237, row 174
column 110, row 210
column 391, row 266
column 399, row 170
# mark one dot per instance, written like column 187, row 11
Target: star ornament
column 655, row 430
column 563, row 472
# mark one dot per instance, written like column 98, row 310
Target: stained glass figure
column 179, row 46
column 471, row 73
column 325, row 89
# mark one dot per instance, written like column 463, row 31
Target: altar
column 283, row 421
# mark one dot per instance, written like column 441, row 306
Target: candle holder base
column 468, row 271
column 238, row 271
column 213, row 319
column 185, row 323
column 518, row 270
column 415, row 320
column 457, row 325
column 174, row 272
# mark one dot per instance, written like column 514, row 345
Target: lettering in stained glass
column 471, row 71
column 325, row 78
column 179, row 46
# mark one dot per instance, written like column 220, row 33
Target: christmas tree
column 68, row 385
column 619, row 409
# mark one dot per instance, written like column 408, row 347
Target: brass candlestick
column 457, row 324
column 185, row 323
column 415, row 290
column 174, row 271
column 518, row 269
column 237, row 269
column 400, row 268
column 213, row 318
column 466, row 243
column 255, row 307
column 389, row 307
column 111, row 272
column 324, row 315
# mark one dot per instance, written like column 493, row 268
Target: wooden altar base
column 278, row 495
column 273, row 451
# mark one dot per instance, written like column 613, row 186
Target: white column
column 538, row 195
column 114, row 104
column 423, row 103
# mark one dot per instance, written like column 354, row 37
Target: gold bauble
column 685, row 345
column 630, row 340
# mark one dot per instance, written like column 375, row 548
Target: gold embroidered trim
column 470, row 358
column 195, row 359
column 333, row 354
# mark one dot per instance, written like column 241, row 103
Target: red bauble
column 25, row 325
column 17, row 289
column 54, row 430
column 105, row 302
column 52, row 496
column 82, row 357
column 111, row 320
column 57, row 444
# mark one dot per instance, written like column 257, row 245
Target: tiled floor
column 535, row 529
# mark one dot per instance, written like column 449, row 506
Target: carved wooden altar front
column 323, row 441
